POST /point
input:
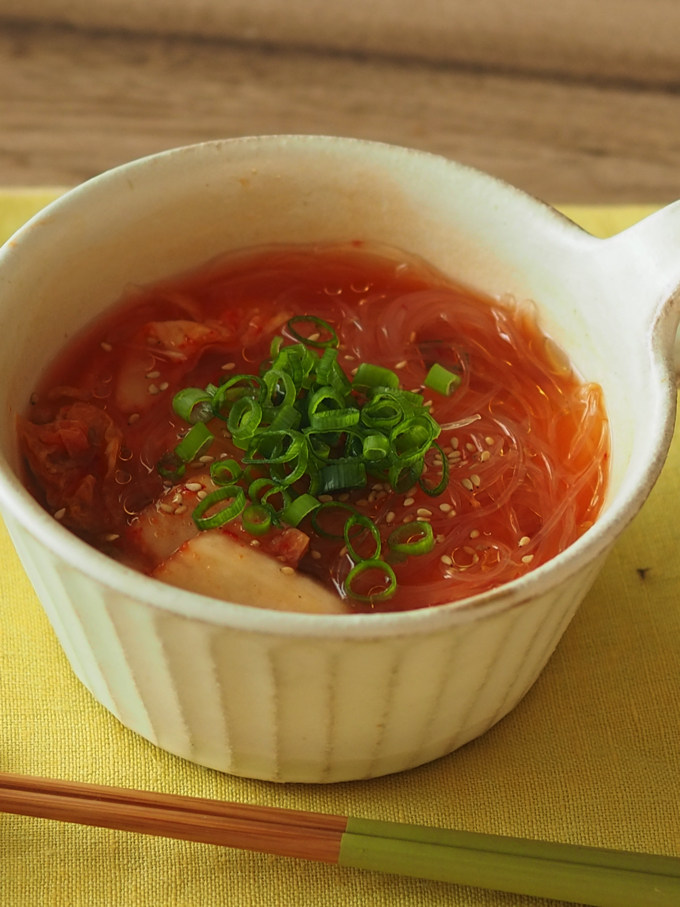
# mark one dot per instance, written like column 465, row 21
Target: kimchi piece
column 340, row 417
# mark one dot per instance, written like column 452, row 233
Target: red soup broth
column 526, row 440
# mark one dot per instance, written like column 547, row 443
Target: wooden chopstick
column 583, row 875
column 284, row 832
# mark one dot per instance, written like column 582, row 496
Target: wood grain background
column 75, row 101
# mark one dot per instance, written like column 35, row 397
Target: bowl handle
column 652, row 250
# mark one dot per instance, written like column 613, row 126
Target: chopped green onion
column 335, row 419
column 339, row 475
column 170, row 466
column 196, row 441
column 243, row 421
column 412, row 538
column 225, row 472
column 233, row 389
column 361, row 568
column 298, row 509
column 368, row 376
column 285, row 416
column 256, row 519
column 233, row 493
column 358, row 519
column 272, row 448
column 375, row 447
column 439, row 488
column 324, row 508
column 255, row 488
column 281, row 389
column 383, row 412
column 411, row 440
column 319, row 323
column 193, row 405
column 443, row 381
column 401, row 478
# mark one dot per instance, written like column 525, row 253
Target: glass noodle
column 526, row 440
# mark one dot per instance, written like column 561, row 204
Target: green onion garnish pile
column 306, row 430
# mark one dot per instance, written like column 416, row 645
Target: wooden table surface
column 74, row 103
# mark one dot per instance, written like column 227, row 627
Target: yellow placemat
column 590, row 756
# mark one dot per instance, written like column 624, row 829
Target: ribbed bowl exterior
column 377, row 705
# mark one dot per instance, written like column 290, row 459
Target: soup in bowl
column 379, row 684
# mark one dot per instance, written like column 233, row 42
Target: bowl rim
column 17, row 502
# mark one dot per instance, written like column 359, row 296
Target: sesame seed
column 228, row 366
column 489, row 440
column 343, row 498
column 206, row 459
column 254, row 543
column 423, row 511
column 485, row 455
column 106, row 346
column 440, row 539
column 133, row 418
column 60, row 514
column 445, row 508
column 371, row 498
column 164, row 386
column 527, row 559
column 390, row 517
column 380, row 494
column 316, row 555
column 445, row 559
column 202, row 495
column 470, row 447
column 343, row 551
column 181, row 509
column 466, row 483
column 355, row 370
column 452, row 513
column 166, row 508
column 454, row 443
column 349, row 358
column 408, row 502
column 377, row 487
column 362, row 502
column 111, row 537
column 153, row 389
column 153, row 374
column 401, row 364
column 409, row 518
column 287, row 570
column 412, row 336
column 474, row 534
column 476, row 481
column 524, row 541
column 325, row 498
column 177, row 498
column 455, row 456
column 193, row 486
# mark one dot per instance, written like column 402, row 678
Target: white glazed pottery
column 297, row 697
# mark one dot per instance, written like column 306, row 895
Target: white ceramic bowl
column 297, row 697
